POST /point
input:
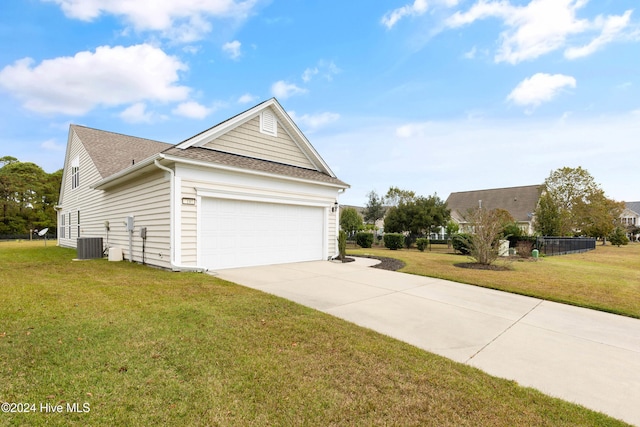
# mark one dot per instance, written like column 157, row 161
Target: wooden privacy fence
column 564, row 245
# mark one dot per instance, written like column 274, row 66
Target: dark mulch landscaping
column 477, row 266
column 386, row 263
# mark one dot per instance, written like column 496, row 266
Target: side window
column 62, row 227
column 75, row 172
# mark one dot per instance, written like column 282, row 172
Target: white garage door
column 236, row 233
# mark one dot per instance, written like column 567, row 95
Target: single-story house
column 251, row 190
column 520, row 202
column 631, row 218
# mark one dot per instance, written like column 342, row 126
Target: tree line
column 571, row 203
column 28, row 196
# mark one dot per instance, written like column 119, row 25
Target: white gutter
column 172, row 226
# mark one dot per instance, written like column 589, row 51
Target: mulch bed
column 477, row 266
column 390, row 264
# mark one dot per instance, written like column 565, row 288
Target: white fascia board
column 216, row 131
column 249, row 171
column 211, row 134
column 303, row 138
column 126, row 174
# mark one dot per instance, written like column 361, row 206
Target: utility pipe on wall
column 172, row 226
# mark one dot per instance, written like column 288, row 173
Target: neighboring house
column 251, row 190
column 631, row 218
column 520, row 202
column 379, row 225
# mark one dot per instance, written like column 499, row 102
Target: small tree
column 452, row 228
column 350, row 221
column 374, row 210
column 618, row 237
column 485, row 239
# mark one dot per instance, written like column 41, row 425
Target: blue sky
column 434, row 96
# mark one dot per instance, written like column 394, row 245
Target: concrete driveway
column 580, row 355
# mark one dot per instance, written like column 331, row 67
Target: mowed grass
column 606, row 279
column 146, row 347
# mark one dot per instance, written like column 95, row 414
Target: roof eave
column 126, row 174
column 251, row 172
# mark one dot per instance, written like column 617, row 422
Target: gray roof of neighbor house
column 112, row 152
column 633, row 206
column 520, row 202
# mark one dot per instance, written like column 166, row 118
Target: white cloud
column 110, row 76
column 418, row 7
column 52, row 145
column 314, row 121
column 232, row 49
column 412, row 130
column 309, row 73
column 539, row 88
column 540, row 27
column 424, row 162
column 612, row 26
column 192, row 110
column 137, row 113
column 183, row 21
column 283, row 90
column 327, row 69
column 247, row 98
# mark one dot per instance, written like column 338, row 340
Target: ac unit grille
column 89, row 247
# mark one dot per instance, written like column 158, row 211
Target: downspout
column 175, row 266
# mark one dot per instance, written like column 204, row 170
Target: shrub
column 422, row 244
column 618, row 237
column 462, row 243
column 342, row 244
column 364, row 240
column 524, row 248
column 394, row 241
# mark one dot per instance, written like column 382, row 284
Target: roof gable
column 245, row 135
column 520, row 202
column 633, row 207
column 113, row 152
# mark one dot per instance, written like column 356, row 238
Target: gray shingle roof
column 112, row 152
column 520, row 202
column 633, row 206
column 234, row 160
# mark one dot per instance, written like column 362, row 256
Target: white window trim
column 75, row 172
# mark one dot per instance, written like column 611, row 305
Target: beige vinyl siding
column 147, row 200
column 332, row 234
column 189, row 224
column 247, row 140
column 82, row 198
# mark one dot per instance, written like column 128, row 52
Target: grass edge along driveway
column 142, row 346
column 606, row 279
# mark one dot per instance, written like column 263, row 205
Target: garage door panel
column 236, row 233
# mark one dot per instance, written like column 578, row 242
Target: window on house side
column 62, row 228
column 75, row 173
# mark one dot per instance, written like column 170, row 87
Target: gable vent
column 268, row 123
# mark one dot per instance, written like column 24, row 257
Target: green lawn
column 606, row 279
column 144, row 347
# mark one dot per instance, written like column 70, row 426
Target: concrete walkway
column 580, row 355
